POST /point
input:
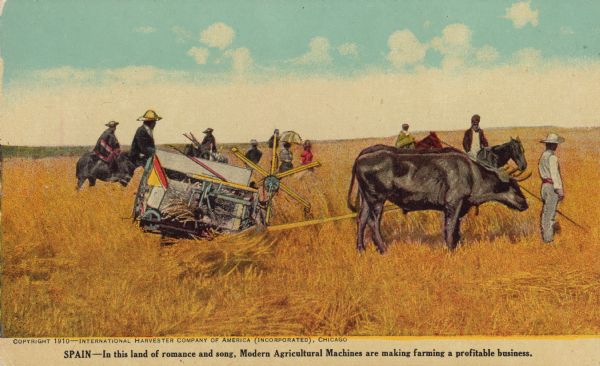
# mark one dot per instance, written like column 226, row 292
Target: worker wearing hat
column 142, row 146
column 107, row 147
column 472, row 144
column 405, row 140
column 286, row 157
column 253, row 154
column 552, row 187
column 208, row 144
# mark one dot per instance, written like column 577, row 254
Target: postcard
column 324, row 182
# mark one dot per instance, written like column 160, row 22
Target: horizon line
column 324, row 140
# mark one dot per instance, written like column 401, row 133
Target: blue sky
column 348, row 36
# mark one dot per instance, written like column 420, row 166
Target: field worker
column 208, row 144
column 405, row 140
column 272, row 139
column 307, row 156
column 552, row 188
column 107, row 148
column 473, row 145
column 142, row 146
column 253, row 154
column 285, row 156
column 191, row 150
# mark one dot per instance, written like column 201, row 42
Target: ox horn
column 520, row 179
column 517, row 173
column 510, row 172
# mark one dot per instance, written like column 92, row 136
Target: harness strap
column 106, row 146
column 102, row 157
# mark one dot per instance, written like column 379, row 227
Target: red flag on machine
column 157, row 175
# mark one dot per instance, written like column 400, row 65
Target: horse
column 431, row 141
column 122, row 173
column 497, row 156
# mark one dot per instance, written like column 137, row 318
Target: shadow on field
column 427, row 227
column 222, row 256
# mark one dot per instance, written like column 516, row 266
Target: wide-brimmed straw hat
column 553, row 138
column 208, row 130
column 150, row 115
column 112, row 124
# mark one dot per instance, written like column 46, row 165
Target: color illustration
column 295, row 168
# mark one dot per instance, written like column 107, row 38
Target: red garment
column 306, row 157
column 107, row 148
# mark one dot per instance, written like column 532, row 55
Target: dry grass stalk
column 72, row 267
column 178, row 210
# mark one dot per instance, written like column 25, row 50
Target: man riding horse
column 107, row 149
column 105, row 162
column 405, row 140
column 142, row 146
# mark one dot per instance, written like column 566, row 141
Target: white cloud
column 569, row 93
column 1, row 74
column 527, row 57
column 318, row 52
column 182, row 35
column 454, row 44
column 453, row 63
column 2, row 3
column 348, row 49
column 199, row 54
column 125, row 75
column 521, row 14
column 486, row 53
column 145, row 29
column 455, row 40
column 65, row 73
column 405, row 49
column 241, row 59
column 566, row 31
column 132, row 74
column 218, row 35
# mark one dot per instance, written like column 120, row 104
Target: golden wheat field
column 73, row 264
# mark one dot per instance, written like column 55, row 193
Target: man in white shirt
column 474, row 139
column 552, row 188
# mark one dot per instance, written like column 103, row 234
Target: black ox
column 442, row 179
column 121, row 172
